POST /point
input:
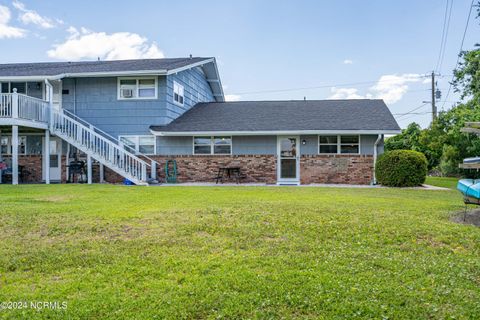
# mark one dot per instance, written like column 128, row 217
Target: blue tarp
column 472, row 160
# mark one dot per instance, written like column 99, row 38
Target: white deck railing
column 15, row 105
column 6, row 105
column 31, row 108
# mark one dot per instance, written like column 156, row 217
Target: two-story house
column 126, row 118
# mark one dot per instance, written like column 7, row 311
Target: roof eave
column 269, row 132
column 217, row 93
column 85, row 74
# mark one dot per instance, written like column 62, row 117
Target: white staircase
column 98, row 146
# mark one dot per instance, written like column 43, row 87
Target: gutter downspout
column 375, row 154
column 75, row 96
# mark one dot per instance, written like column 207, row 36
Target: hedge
column 401, row 168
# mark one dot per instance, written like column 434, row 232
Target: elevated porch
column 20, row 113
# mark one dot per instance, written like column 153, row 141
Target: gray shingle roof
column 57, row 68
column 362, row 114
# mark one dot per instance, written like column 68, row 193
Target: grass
column 444, row 182
column 114, row 252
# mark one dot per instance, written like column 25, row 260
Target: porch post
column 46, row 156
column 89, row 169
column 102, row 173
column 67, row 168
column 14, row 155
column 14, row 103
column 153, row 173
column 1, row 159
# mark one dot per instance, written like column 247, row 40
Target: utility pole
column 434, row 107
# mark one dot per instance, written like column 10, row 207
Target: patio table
column 228, row 172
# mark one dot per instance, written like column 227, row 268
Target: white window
column 6, row 145
column 350, row 144
column 139, row 144
column 178, row 93
column 137, row 88
column 328, row 144
column 7, row 87
column 212, row 145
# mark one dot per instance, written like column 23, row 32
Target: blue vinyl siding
column 95, row 100
column 196, row 89
column 177, row 146
column 241, row 145
column 261, row 145
column 257, row 145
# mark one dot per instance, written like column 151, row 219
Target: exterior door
column 288, row 164
column 57, row 94
column 55, row 159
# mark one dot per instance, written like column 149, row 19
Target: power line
column 461, row 49
column 443, row 42
column 410, row 112
column 412, row 116
column 319, row 87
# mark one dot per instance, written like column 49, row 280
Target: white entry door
column 57, row 94
column 55, row 159
column 288, row 163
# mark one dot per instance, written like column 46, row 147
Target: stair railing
column 101, row 148
column 153, row 163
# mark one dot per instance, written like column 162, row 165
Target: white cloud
column 391, row 88
column 232, row 97
column 7, row 31
column 87, row 44
column 347, row 61
column 32, row 17
column 345, row 93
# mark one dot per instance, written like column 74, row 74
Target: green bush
column 401, row 168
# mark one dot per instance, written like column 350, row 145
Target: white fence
column 13, row 105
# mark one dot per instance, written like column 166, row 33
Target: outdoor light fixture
column 304, row 142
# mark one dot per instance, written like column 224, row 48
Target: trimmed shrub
column 401, row 168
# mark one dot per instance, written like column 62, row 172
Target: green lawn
column 444, row 182
column 115, row 252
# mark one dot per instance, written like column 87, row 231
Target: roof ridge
column 296, row 100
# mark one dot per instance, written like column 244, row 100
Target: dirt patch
column 468, row 217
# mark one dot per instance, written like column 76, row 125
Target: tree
column 407, row 140
column 443, row 143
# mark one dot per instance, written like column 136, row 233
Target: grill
column 77, row 172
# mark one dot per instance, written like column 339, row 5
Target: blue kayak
column 469, row 187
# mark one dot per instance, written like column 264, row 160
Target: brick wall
column 341, row 169
column 256, row 168
column 349, row 169
column 33, row 167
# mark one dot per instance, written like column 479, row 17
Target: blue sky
column 266, row 50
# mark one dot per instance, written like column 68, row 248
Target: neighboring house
column 131, row 116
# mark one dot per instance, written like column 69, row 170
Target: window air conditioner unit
column 127, row 93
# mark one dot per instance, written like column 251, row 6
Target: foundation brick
column 336, row 169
